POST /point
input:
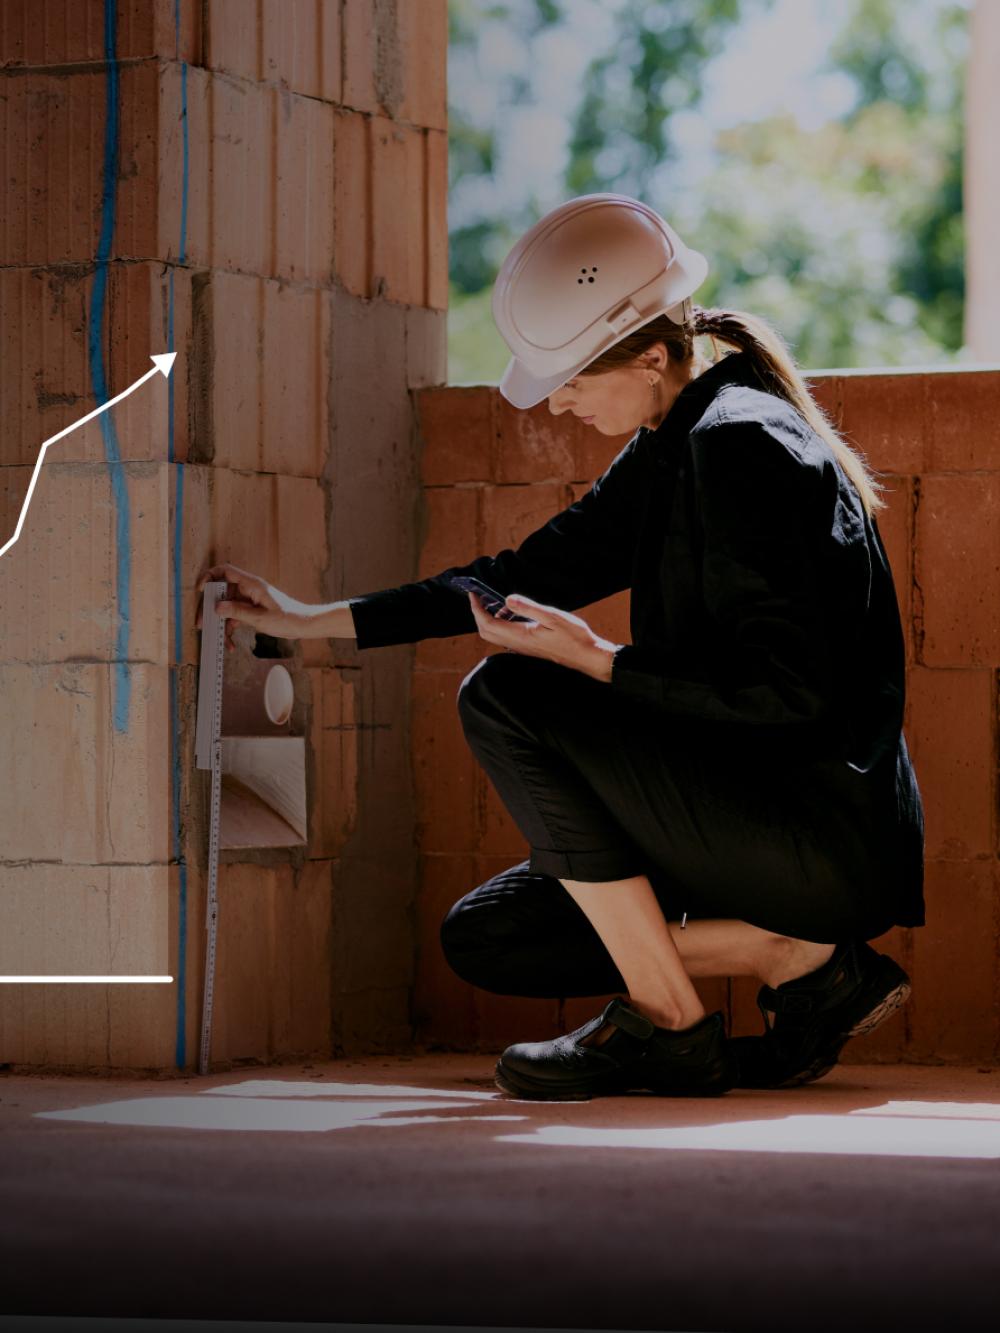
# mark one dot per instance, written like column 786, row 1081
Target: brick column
column 222, row 180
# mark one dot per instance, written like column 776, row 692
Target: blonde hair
column 773, row 363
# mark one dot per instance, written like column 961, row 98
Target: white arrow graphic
column 162, row 364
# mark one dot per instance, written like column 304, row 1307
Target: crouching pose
column 730, row 793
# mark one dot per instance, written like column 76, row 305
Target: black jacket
column 763, row 611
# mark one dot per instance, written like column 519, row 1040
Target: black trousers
column 602, row 790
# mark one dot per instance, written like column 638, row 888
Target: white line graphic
column 162, row 364
column 89, row 977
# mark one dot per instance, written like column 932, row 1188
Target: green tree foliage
column 849, row 237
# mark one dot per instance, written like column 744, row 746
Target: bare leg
column 657, row 959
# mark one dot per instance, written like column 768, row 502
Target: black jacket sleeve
column 581, row 555
column 766, row 655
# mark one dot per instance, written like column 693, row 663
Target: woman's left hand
column 558, row 635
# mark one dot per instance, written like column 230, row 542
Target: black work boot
column 686, row 1062
column 815, row 1015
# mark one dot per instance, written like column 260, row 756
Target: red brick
column 443, row 1004
column 193, row 88
column 352, row 201
column 300, row 46
column 237, row 333
column 957, row 568
column 399, row 247
column 422, row 42
column 359, row 38
column 895, row 524
column 452, row 528
column 303, row 189
column 53, row 128
column 460, row 653
column 950, row 732
column 232, row 33
column 59, row 581
column 436, row 220
column 532, row 446
column 333, row 790
column 457, row 429
column 960, row 402
column 444, row 767
column 45, row 379
column 242, row 189
column 61, row 32
column 86, row 793
column 295, row 374
column 511, row 513
column 885, row 417
column 827, row 391
column 954, row 1003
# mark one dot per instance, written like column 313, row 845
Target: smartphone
column 494, row 602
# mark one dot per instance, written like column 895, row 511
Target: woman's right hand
column 252, row 601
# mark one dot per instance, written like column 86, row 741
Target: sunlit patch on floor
column 897, row 1129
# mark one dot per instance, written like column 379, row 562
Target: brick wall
column 492, row 474
column 261, row 186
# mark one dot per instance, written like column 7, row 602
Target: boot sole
column 884, row 1009
column 527, row 1089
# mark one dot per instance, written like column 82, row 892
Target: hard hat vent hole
column 583, row 270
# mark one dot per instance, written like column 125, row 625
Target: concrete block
column 950, row 731
column 458, row 434
column 443, row 1003
column 426, row 347
column 958, row 532
column 85, row 793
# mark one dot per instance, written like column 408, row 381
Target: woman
column 731, row 792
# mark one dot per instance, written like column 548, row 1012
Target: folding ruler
column 208, row 754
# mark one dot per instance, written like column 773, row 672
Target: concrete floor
column 870, row 1199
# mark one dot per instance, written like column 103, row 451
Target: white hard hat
column 588, row 273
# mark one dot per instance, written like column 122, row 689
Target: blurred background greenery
column 811, row 149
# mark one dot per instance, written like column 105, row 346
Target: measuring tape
column 208, row 754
